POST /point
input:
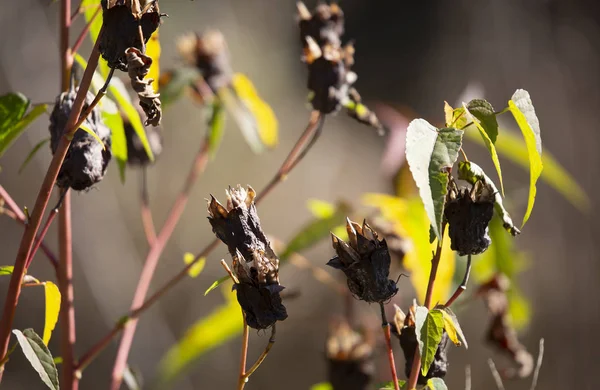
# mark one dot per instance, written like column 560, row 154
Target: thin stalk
column 145, row 211
column 14, row 289
column 40, row 238
column 152, row 261
column 101, row 93
column 388, row 343
column 435, row 262
column 85, row 31
column 244, row 353
column 259, row 361
column 301, row 144
column 463, row 285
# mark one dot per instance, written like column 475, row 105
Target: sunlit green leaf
column 453, row 328
column 92, row 9
column 6, row 270
column 39, row 356
column 522, row 109
column 321, row 209
column 211, row 331
column 484, row 112
column 322, row 386
column 390, row 385
column 198, row 266
column 487, row 128
column 32, row 153
column 455, row 117
column 57, row 360
column 315, row 231
column 173, row 83
column 436, row 384
column 114, row 121
column 216, row 126
column 429, row 329
column 91, row 132
column 216, row 284
column 13, row 120
column 430, row 153
column 472, row 173
column 53, row 298
column 519, row 308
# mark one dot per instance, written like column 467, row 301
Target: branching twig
column 260, row 359
column 85, row 31
column 388, row 343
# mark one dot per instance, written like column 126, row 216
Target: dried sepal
column 138, row 68
column 254, row 262
column 121, row 28
column 365, row 261
column 87, row 159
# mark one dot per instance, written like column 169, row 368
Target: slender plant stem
column 145, row 211
column 244, row 355
column 14, row 289
column 152, row 261
column 388, row 343
column 136, row 311
column 40, row 238
column 101, row 93
column 85, row 31
column 19, row 217
column 435, row 262
column 463, row 285
column 260, row 359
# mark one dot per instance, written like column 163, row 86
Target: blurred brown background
column 412, row 53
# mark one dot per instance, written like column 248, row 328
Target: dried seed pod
column 349, row 357
column 325, row 25
column 207, row 52
column 409, row 344
column 86, row 160
column 469, row 213
column 121, row 28
column 366, row 262
column 254, row 261
column 139, row 66
column 136, row 154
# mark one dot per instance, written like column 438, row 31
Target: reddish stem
column 145, row 211
column 388, row 343
column 41, row 236
column 152, row 260
column 245, row 337
column 85, row 31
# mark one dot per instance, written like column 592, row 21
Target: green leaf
column 315, row 231
column 198, row 266
column 39, row 356
column 455, row 117
column 452, row 327
column 173, row 84
column 91, row 132
column 53, row 298
column 322, row 386
column 484, row 112
column 6, row 270
column 216, row 284
column 390, row 385
column 90, row 8
column 429, row 330
column 216, row 127
column 321, row 209
column 57, row 360
column 114, row 121
column 512, row 147
column 436, row 384
column 430, row 154
column 13, row 122
column 519, row 308
column 488, row 129
column 522, row 109
column 243, row 118
column 31, row 154
column 224, row 323
column 472, row 173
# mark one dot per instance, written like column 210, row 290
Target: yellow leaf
column 320, row 208
column 448, row 114
column 153, row 51
column 409, row 220
column 52, row 309
column 91, row 132
column 197, row 268
column 263, row 114
column 450, row 328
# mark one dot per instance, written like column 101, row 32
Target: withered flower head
column 139, row 66
column 86, row 160
column 207, row 52
column 120, row 31
column 136, row 154
column 409, row 344
column 350, row 357
column 254, row 262
column 325, row 25
column 469, row 213
column 366, row 262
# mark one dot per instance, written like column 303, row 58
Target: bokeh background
column 415, row 54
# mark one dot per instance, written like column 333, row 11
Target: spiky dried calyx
column 469, row 213
column 120, row 31
column 409, row 344
column 136, row 154
column 209, row 54
column 254, row 261
column 366, row 262
column 350, row 357
column 86, row 160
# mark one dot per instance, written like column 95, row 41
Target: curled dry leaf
column 138, row 68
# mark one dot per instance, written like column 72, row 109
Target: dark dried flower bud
column 409, row 344
column 325, row 25
column 469, row 213
column 254, row 262
column 208, row 52
column 349, row 357
column 86, row 159
column 121, row 31
column 366, row 262
column 139, row 66
column 136, row 154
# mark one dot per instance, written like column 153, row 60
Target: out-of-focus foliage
column 197, row 267
column 14, row 117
